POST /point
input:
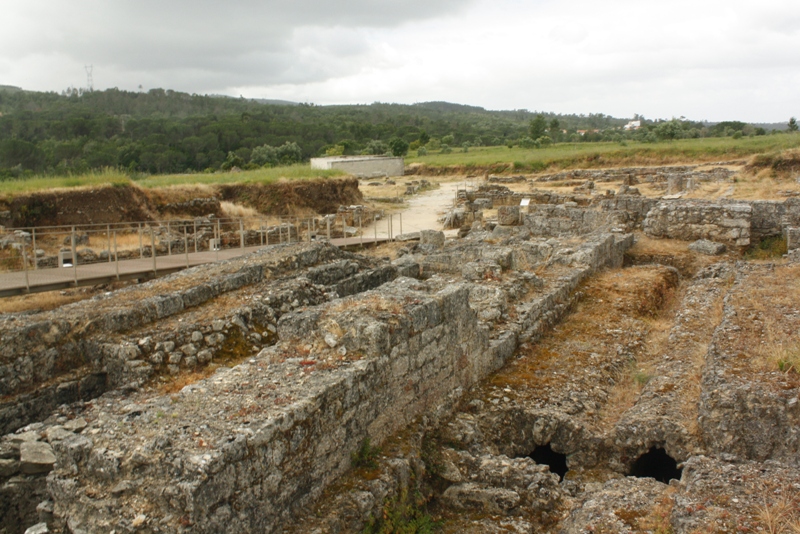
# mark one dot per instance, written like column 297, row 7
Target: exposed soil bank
column 128, row 204
column 288, row 198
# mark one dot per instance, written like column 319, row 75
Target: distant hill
column 772, row 125
column 165, row 131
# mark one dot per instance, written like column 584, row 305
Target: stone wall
column 241, row 450
column 728, row 223
column 58, row 357
column 361, row 165
column 567, row 219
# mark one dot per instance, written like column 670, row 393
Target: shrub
column 422, row 151
column 335, row 150
column 398, row 146
column 527, row 142
column 446, row 149
column 365, row 456
column 376, row 147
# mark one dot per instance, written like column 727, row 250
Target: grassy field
column 9, row 188
column 573, row 155
column 494, row 159
column 293, row 172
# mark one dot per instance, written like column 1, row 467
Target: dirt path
column 421, row 212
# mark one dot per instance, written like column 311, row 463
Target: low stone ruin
column 243, row 396
column 669, row 177
column 317, row 371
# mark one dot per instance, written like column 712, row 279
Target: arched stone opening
column 545, row 455
column 657, row 464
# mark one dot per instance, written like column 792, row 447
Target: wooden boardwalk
column 38, row 280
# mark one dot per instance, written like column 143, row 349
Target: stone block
column 8, row 467
column 709, row 248
column 36, row 457
column 792, row 236
column 432, row 237
column 508, row 216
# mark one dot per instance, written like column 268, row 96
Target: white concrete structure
column 362, row 166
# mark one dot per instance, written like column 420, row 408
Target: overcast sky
column 703, row 59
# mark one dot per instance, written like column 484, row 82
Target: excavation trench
column 578, row 406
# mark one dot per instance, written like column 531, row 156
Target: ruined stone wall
column 566, row 219
column 239, row 451
column 728, row 223
column 62, row 356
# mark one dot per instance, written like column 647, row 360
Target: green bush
column 365, row 456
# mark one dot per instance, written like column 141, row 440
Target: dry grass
column 764, row 185
column 182, row 380
column 657, row 519
column 384, row 250
column 780, row 514
column 51, row 300
column 767, row 314
column 238, row 211
column 615, row 307
column 649, row 246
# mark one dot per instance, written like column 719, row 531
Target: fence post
column 141, row 246
column 186, row 245
column 375, row 227
column 116, row 255
column 74, row 258
column 194, row 229
column 35, row 258
column 360, row 231
column 153, row 250
column 401, row 223
column 308, row 226
column 108, row 235
column 328, row 222
column 241, row 234
column 219, row 238
column 169, row 241
column 25, row 266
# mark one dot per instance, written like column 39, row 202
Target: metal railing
column 35, row 250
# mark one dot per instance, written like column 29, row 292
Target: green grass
column 38, row 183
column 570, row 155
column 10, row 188
column 769, row 248
column 292, row 172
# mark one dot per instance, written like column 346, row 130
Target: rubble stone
column 36, row 457
column 709, row 248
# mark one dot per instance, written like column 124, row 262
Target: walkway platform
column 39, row 280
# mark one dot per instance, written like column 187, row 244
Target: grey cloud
column 213, row 44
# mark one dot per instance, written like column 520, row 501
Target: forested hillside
column 167, row 132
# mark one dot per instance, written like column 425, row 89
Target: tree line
column 163, row 131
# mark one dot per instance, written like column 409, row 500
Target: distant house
column 362, row 166
column 632, row 125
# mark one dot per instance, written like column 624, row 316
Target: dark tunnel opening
column 657, row 464
column 545, row 455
